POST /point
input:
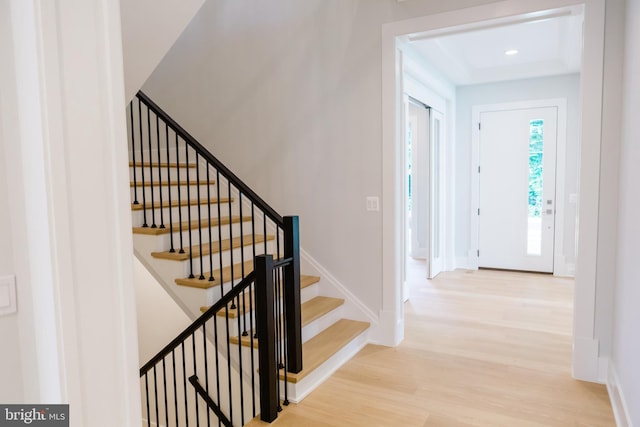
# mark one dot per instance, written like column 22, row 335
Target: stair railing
column 159, row 148
column 192, row 380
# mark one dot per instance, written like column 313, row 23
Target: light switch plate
column 373, row 204
column 7, row 295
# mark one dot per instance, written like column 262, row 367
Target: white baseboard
column 462, row 262
column 618, row 401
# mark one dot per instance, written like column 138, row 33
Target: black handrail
column 257, row 200
column 197, row 324
column 212, row 405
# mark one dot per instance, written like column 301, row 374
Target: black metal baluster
column 153, row 207
column 146, row 385
column 242, row 258
column 215, row 333
column 175, row 385
column 240, row 364
column 133, row 154
column 206, row 366
column 220, row 235
column 234, row 306
column 184, row 379
column 166, row 138
column 179, row 204
column 142, row 166
column 155, row 392
column 195, row 372
column 164, row 385
column 159, row 172
column 211, row 278
column 199, row 217
column 253, row 244
column 229, row 364
column 251, row 343
column 188, row 204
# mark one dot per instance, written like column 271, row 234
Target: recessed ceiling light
column 511, row 52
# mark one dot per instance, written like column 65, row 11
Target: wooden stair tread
column 246, row 303
column 320, row 348
column 226, row 276
column 176, row 203
column 162, row 164
column 216, row 247
column 206, row 222
column 166, row 183
column 310, row 311
column 306, row 281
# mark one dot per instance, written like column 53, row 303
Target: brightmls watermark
column 34, row 415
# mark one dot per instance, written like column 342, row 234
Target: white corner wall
column 149, row 29
column 11, row 390
column 566, row 86
column 70, row 209
column 625, row 374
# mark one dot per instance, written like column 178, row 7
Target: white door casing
column 436, row 202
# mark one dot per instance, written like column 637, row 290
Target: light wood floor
column 481, row 348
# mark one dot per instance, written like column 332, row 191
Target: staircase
column 200, row 231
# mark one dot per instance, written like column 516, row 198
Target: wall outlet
column 373, row 203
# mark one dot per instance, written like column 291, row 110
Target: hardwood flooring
column 481, row 348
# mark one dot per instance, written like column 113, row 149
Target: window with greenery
column 536, row 145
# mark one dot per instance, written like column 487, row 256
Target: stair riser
column 180, row 213
column 164, row 241
column 171, row 192
column 162, row 174
column 308, row 331
column 226, row 259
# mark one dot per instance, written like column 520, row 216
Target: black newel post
column 266, row 329
column 292, row 294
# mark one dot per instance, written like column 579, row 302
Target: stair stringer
column 353, row 307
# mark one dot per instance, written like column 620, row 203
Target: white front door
column 517, row 174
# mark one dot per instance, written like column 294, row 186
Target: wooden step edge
column 148, row 231
column 162, row 164
column 320, row 348
column 312, row 310
column 138, row 183
column 226, row 276
column 204, row 250
column 181, row 203
column 306, row 281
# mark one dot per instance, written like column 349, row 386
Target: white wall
column 68, row 200
column 295, row 85
column 160, row 318
column 626, row 345
column 149, row 29
column 11, row 390
column 567, row 86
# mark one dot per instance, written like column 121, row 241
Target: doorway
column 516, row 175
column 424, row 205
column 585, row 362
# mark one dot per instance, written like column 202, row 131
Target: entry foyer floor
column 481, row 348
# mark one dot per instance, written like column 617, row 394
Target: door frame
column 587, row 363
column 559, row 263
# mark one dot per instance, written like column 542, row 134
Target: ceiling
column 547, row 45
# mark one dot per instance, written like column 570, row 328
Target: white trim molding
column 618, row 402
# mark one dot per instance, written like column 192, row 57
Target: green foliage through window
column 536, row 145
